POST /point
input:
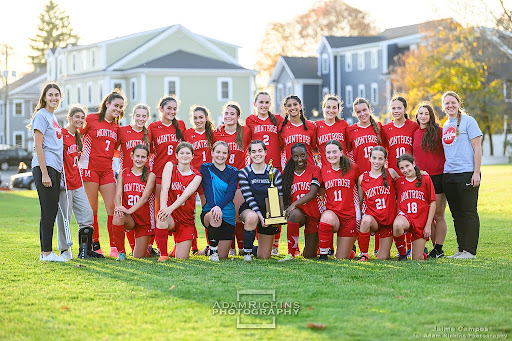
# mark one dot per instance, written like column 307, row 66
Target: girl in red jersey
column 264, row 127
column 398, row 138
column 296, row 129
column 301, row 182
column 416, row 205
column 377, row 194
column 343, row 212
column 332, row 127
column 128, row 137
column 73, row 198
column 99, row 142
column 429, row 155
column 238, row 138
column 178, row 203
column 361, row 137
column 133, row 209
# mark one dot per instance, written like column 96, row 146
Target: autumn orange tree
column 451, row 57
column 301, row 36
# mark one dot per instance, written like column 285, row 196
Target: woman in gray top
column 47, row 165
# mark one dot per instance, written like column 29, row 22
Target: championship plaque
column 274, row 202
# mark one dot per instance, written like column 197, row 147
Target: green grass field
column 144, row 299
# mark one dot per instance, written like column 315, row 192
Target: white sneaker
column 52, row 257
column 455, row 255
column 248, row 258
column 232, row 252
column 214, row 257
column 275, row 251
column 465, row 255
column 68, row 254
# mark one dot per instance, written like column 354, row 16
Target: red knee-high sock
column 161, row 240
column 109, row 228
column 408, row 238
column 324, row 237
column 239, row 234
column 331, row 244
column 364, row 242
column 130, row 235
column 96, row 232
column 194, row 240
column 151, row 240
column 292, row 234
column 117, row 236
column 277, row 236
column 400, row 245
column 377, row 239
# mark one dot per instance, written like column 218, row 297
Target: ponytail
column 78, row 141
column 145, row 138
column 179, row 134
column 376, row 129
column 208, row 128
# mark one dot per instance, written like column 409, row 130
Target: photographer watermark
column 259, row 303
column 461, row 332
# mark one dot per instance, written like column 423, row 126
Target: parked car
column 12, row 156
column 23, row 180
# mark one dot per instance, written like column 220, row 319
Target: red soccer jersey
column 398, row 140
column 128, row 139
column 163, row 145
column 325, row 133
column 379, row 201
column 341, row 191
column 70, row 158
column 237, row 157
column 292, row 134
column 202, row 151
column 431, row 162
column 414, row 201
column 99, row 143
column 133, row 187
column 360, row 142
column 267, row 132
column 300, row 187
column 186, row 214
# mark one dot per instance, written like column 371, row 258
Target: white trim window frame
column 360, row 60
column 349, row 94
column 22, row 109
column 89, row 93
column 115, row 82
column 168, row 89
column 18, row 133
column 374, row 58
column 133, row 89
column 68, row 96
column 100, row 91
column 374, row 93
column 325, row 63
column 361, row 91
column 348, row 62
column 79, row 93
column 221, row 82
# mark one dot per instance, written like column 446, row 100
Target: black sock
column 249, row 237
column 255, row 251
column 213, row 238
column 438, row 247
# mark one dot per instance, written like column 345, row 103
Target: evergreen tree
column 54, row 30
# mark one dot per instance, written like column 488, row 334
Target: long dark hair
column 404, row 102
column 145, row 138
column 208, row 126
column 239, row 139
column 373, row 122
column 431, row 139
column 273, row 118
column 302, row 118
column 383, row 169
column 72, row 111
column 114, row 94
column 409, row 158
column 145, row 170
column 289, row 173
column 42, row 101
column 345, row 164
column 163, row 101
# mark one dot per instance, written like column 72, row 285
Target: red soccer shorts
column 99, row 177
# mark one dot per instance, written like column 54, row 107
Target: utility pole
column 7, row 50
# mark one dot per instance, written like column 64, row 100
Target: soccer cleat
column 232, row 252
column 248, row 258
column 331, row 252
column 287, row 258
column 402, row 258
column 425, row 250
column 465, row 255
column 360, row 254
column 68, row 254
column 435, row 254
column 97, row 248
column 194, row 252
column 322, row 258
column 275, row 251
column 408, row 254
column 364, row 258
column 455, row 255
column 121, row 256
column 163, row 258
column 153, row 252
column 214, row 257
column 241, row 252
column 375, row 253
column 113, row 252
column 52, row 257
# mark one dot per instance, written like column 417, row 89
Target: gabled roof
column 24, row 80
column 180, row 59
column 338, row 42
column 302, row 67
column 403, row 31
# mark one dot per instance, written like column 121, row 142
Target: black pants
column 49, row 202
column 462, row 198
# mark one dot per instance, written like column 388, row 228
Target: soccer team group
column 391, row 181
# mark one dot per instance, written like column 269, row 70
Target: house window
column 78, row 94
column 61, row 65
column 172, row 86
column 224, row 89
column 325, row 64
column 361, row 91
column 133, row 89
column 118, row 84
column 89, row 93
column 100, row 91
column 374, row 95
column 18, row 139
column 374, row 58
column 325, row 91
column 93, row 58
column 349, row 94
column 348, row 62
column 18, row 109
column 84, row 60
column 507, row 90
column 68, row 96
column 280, row 93
column 73, row 63
column 289, row 90
column 360, row 60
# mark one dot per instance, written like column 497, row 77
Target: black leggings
column 49, row 202
column 462, row 199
